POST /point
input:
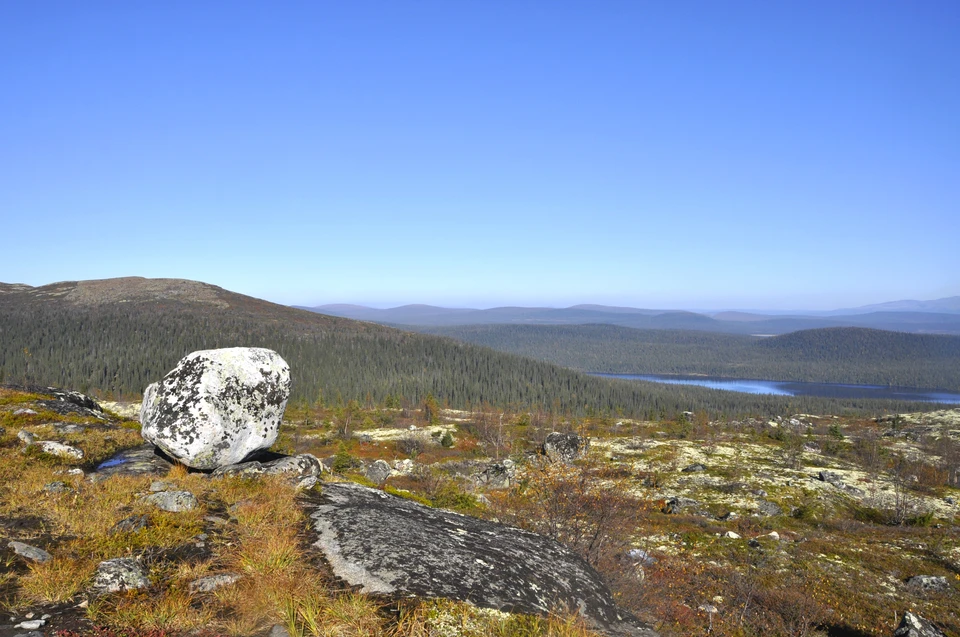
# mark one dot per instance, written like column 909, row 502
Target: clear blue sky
column 476, row 153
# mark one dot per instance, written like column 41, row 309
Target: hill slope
column 118, row 335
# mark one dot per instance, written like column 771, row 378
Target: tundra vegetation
column 797, row 525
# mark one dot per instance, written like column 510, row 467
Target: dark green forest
column 117, row 342
column 833, row 355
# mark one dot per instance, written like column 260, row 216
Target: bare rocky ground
column 811, row 525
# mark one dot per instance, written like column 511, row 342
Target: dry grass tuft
column 57, row 580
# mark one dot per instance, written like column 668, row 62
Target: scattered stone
column 173, row 501
column 302, row 470
column 829, row 476
column 378, row 472
column 693, row 468
column 24, row 412
column 131, row 524
column 678, row 504
column 120, row 574
column 31, row 624
column 497, row 475
column 731, row 535
column 930, row 583
column 560, row 447
column 69, row 428
column 392, row 546
column 60, row 449
column 160, row 485
column 640, row 556
column 31, row 553
column 773, row 535
column 26, row 437
column 765, row 507
column 915, row 626
column 279, row 631
column 404, row 467
column 213, row 582
column 32, row 633
column 216, row 407
column 57, row 487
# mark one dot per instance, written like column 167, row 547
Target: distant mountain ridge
column 730, row 322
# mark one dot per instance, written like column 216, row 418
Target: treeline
column 833, row 355
column 119, row 348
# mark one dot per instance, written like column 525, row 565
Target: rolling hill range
column 118, row 335
column 932, row 317
column 839, row 355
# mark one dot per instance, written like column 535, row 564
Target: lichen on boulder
column 217, row 407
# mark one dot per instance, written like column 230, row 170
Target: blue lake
column 787, row 388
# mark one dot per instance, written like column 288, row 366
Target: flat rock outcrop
column 395, row 547
column 217, row 407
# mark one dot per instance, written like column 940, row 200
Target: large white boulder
column 217, row 406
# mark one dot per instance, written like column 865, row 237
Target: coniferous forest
column 116, row 336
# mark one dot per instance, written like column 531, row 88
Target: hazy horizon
column 683, row 155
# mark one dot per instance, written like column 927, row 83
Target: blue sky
column 656, row 154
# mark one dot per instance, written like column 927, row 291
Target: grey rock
column 950, row 500
column 915, row 626
column 172, row 501
column 32, row 633
column 60, row 449
column 160, row 485
column 131, row 524
column 391, row 546
column 378, row 471
column 677, row 504
column 928, row 583
column 217, row 407
column 497, row 475
column 120, row 574
column 57, row 487
column 213, row 582
column 302, row 470
column 279, row 631
column 26, row 437
column 693, row 468
column 31, row 624
column 829, row 476
column 565, row 447
column 69, row 428
column 24, row 412
column 31, row 553
column 765, row 507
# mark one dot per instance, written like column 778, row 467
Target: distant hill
column 949, row 305
column 840, row 355
column 924, row 322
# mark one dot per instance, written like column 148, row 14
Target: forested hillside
column 119, row 335
column 839, row 355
